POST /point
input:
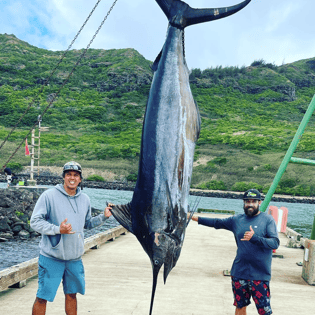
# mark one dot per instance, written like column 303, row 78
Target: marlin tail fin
column 181, row 15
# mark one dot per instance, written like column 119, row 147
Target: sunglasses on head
column 72, row 167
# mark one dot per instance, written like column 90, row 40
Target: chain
column 64, row 83
column 51, row 74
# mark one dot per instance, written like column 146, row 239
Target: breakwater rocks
column 16, row 207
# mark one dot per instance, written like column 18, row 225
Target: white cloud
column 272, row 30
column 281, row 14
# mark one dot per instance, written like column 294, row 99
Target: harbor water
column 300, row 218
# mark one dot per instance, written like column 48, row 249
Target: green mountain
column 249, row 114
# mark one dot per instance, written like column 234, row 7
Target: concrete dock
column 119, row 280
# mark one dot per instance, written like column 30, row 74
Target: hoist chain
column 46, row 81
column 64, row 83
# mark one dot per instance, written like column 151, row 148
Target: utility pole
column 32, row 181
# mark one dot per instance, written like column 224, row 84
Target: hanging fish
column 157, row 213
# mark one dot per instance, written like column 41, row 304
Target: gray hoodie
column 52, row 208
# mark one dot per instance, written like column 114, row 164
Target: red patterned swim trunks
column 259, row 290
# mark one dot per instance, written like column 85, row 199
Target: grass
column 243, row 166
column 213, row 163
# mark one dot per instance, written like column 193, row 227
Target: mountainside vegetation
column 249, row 114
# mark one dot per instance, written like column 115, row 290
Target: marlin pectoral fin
column 122, row 214
column 171, row 260
column 170, row 215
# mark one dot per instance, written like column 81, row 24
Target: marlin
column 157, row 213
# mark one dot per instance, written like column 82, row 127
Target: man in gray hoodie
column 60, row 215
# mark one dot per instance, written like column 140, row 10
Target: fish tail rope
column 64, row 83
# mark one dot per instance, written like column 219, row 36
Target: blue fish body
column 170, row 130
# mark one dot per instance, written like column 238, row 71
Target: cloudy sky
column 278, row 31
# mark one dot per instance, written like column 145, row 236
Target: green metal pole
column 288, row 155
column 302, row 161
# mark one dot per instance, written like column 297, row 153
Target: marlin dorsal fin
column 122, row 214
column 156, row 62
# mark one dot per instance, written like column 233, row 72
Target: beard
column 251, row 211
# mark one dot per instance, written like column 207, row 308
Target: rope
column 64, row 83
column 51, row 74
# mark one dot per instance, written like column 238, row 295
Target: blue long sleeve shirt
column 253, row 258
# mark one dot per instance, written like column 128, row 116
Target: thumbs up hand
column 66, row 228
column 248, row 235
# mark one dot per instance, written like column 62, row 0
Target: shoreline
column 129, row 186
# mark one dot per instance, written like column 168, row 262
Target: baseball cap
column 252, row 194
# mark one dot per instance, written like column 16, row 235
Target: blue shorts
column 50, row 273
column 259, row 290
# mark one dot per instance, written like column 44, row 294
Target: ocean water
column 300, row 218
column 300, row 215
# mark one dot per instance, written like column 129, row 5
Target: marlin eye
column 156, row 262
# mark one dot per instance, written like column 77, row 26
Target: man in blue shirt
column 256, row 236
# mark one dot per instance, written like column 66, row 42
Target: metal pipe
column 288, row 155
column 302, row 161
